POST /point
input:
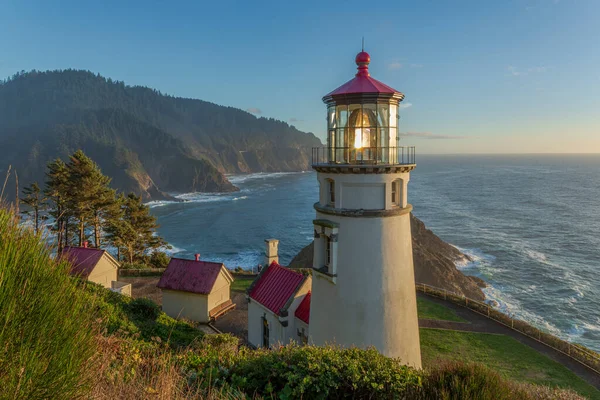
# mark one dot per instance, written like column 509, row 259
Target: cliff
column 434, row 262
column 148, row 142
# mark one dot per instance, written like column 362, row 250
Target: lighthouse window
column 331, row 191
column 327, row 251
column 396, row 193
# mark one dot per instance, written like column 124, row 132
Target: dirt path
column 479, row 323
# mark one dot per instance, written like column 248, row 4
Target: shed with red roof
column 273, row 300
column 196, row 290
column 94, row 265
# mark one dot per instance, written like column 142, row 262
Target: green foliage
column 503, row 354
column 308, row 372
column 33, row 197
column 144, row 309
column 159, row 259
column 46, row 325
column 141, row 319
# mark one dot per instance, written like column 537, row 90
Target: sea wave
column 241, row 178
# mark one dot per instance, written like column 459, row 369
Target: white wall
column 255, row 329
column 186, row 305
column 104, row 272
column 220, row 292
column 363, row 191
column 373, row 302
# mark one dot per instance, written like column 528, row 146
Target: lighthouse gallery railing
column 364, row 155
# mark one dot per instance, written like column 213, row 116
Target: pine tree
column 57, row 193
column 33, row 198
column 90, row 196
column 135, row 233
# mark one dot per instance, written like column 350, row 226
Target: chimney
column 271, row 251
column 85, row 244
column 197, row 256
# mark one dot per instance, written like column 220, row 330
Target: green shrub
column 47, row 332
column 304, row 372
column 144, row 309
column 135, row 266
column 159, row 259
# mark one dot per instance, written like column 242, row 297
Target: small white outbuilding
column 278, row 307
column 196, row 290
column 94, row 265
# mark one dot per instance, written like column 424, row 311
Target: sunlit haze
column 517, row 76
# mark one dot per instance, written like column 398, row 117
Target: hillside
column 148, row 142
column 434, row 262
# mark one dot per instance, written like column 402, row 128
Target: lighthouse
column 363, row 286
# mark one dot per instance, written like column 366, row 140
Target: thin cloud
column 394, row 65
column 294, row 120
column 428, row 135
column 514, row 71
column 405, row 105
column 254, row 110
column 416, row 65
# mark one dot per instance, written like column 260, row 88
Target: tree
column 57, row 193
column 135, row 232
column 91, row 199
column 33, row 198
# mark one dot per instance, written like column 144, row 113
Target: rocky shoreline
column 434, row 260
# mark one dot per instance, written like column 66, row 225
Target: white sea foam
column 237, row 179
column 536, row 255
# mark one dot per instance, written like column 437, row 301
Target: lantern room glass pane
column 383, row 115
column 342, row 116
column 369, row 115
column 393, row 116
column 393, row 142
column 331, row 117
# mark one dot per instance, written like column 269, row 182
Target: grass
column 240, row 284
column 47, row 333
column 427, row 309
column 503, row 354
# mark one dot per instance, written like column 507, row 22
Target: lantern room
column 362, row 122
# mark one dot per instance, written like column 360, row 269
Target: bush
column 144, row 309
column 126, row 265
column 159, row 259
column 47, row 338
column 305, row 372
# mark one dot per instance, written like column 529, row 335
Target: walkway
column 479, row 323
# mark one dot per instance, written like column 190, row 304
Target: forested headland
column 149, row 143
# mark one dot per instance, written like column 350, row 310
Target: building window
column 331, row 192
column 265, row 335
column 328, row 244
column 396, row 193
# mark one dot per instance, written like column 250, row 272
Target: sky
column 481, row 76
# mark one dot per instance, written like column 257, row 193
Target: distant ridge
column 148, row 142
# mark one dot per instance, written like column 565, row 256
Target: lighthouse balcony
column 365, row 159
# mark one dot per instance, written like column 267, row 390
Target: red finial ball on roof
column 362, row 60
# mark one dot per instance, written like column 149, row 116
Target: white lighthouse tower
column 363, row 290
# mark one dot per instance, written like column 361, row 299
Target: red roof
column 303, row 310
column 82, row 259
column 275, row 286
column 190, row 276
column 362, row 82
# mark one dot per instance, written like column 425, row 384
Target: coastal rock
column 434, row 262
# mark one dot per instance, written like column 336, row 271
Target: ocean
column 531, row 224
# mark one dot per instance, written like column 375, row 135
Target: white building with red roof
column 196, row 290
column 94, row 265
column 274, row 299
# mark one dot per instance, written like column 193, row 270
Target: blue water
column 530, row 222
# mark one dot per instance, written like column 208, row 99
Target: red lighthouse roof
column 362, row 82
